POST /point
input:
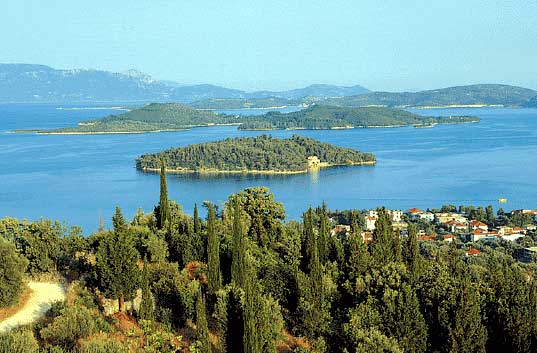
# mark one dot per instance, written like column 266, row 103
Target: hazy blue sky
column 249, row 44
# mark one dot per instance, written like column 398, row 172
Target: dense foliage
column 12, row 268
column 331, row 117
column 246, row 281
column 153, row 117
column 262, row 153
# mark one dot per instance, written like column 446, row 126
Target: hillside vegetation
column 330, row 117
column 262, row 153
column 173, row 116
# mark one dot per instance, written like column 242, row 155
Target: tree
column 491, row 219
column 197, row 222
column 324, row 233
column 147, row 306
column 263, row 212
column 12, row 267
column 357, row 257
column 164, row 211
column 382, row 246
column 411, row 252
column 213, row 252
column 202, row 326
column 238, row 264
column 468, row 333
column 116, row 264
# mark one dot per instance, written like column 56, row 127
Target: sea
column 77, row 179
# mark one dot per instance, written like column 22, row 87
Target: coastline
column 248, row 171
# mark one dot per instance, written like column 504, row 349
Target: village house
column 512, row 237
column 444, row 217
column 475, row 224
column 370, row 222
column 472, row 252
column 431, row 237
column 415, row 214
column 313, row 162
column 456, row 227
column 367, row 237
column 480, row 234
column 448, row 237
column 341, row 230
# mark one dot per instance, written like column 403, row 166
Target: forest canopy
column 262, row 153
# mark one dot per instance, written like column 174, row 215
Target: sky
column 388, row 45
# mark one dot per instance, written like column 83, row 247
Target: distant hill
column 173, row 116
column 532, row 103
column 38, row 83
column 261, row 154
column 318, row 90
column 26, row 83
column 474, row 95
column 484, row 94
column 319, row 117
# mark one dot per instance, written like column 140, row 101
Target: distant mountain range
column 461, row 96
column 39, row 83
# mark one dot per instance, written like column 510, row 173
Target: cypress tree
column 238, row 264
column 357, row 254
column 164, row 212
column 309, row 244
column 324, row 229
column 411, row 252
column 382, row 246
column 197, row 223
column 252, row 309
column 118, row 221
column 213, row 252
column 147, row 307
column 468, row 333
column 116, row 264
column 202, row 326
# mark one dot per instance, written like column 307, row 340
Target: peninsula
column 158, row 117
column 263, row 154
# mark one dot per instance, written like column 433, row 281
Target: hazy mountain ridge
column 472, row 95
column 28, row 83
column 480, row 94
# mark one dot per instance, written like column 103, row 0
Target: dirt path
column 43, row 295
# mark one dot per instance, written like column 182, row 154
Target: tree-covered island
column 157, row 117
column 262, row 154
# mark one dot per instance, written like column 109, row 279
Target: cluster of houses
column 448, row 226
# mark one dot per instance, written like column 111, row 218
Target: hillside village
column 449, row 225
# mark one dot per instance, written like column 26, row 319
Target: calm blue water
column 75, row 178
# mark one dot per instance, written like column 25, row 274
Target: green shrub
column 103, row 345
column 18, row 342
column 73, row 324
column 12, row 267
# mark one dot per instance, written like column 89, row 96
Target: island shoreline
column 248, row 171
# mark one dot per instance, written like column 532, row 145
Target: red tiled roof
column 473, row 251
column 415, row 210
column 427, row 237
column 476, row 223
column 449, row 236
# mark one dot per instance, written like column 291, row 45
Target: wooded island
column 262, row 154
column 158, row 117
